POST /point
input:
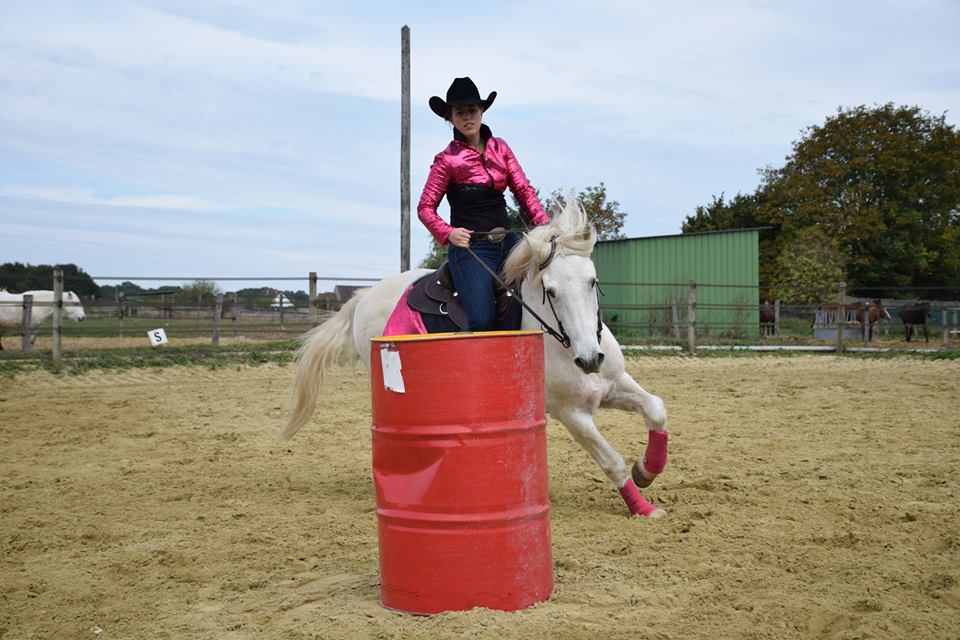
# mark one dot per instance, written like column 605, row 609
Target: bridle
column 559, row 333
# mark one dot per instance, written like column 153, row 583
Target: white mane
column 571, row 229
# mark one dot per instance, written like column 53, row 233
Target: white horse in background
column 558, row 280
column 11, row 309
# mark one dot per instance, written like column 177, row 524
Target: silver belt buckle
column 496, row 235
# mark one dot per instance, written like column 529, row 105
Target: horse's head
column 557, row 258
column 72, row 306
column 881, row 310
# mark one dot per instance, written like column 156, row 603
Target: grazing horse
column 916, row 315
column 11, row 309
column 583, row 373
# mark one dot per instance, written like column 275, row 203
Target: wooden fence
column 684, row 321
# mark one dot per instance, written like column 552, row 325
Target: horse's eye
column 593, row 283
column 551, row 292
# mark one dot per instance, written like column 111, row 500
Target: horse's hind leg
column 630, row 396
column 579, row 422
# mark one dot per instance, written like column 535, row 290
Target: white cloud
column 83, row 196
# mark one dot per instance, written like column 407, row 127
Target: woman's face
column 467, row 119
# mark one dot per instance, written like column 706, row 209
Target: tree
column 435, row 257
column 884, row 182
column 605, row 215
column 719, row 215
column 17, row 277
column 201, row 291
column 807, row 268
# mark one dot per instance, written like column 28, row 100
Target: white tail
column 320, row 348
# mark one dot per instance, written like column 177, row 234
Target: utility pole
column 405, row 148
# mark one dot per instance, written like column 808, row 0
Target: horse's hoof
column 656, row 514
column 639, row 478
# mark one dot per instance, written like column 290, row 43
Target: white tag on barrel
column 392, row 369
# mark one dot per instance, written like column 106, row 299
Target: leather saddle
column 435, row 295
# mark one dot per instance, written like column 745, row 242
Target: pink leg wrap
column 655, row 457
column 638, row 505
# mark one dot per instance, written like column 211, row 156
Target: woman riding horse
column 473, row 172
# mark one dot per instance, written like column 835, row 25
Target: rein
column 560, row 333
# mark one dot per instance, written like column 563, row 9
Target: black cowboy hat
column 462, row 91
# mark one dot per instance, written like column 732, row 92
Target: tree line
column 872, row 197
column 17, row 277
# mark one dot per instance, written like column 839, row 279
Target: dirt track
column 809, row 497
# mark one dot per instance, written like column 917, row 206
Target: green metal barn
column 647, row 283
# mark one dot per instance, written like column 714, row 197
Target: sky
column 188, row 139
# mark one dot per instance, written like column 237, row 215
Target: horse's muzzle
column 590, row 366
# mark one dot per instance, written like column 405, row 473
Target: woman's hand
column 460, row 237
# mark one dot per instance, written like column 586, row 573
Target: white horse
column 11, row 309
column 558, row 281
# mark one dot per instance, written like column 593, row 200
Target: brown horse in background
column 768, row 319
column 916, row 315
column 873, row 309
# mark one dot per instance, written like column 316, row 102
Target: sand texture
column 808, row 497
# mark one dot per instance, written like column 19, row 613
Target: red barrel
column 460, row 468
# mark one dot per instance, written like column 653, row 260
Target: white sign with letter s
column 157, row 337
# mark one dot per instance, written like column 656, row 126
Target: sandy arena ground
column 809, row 497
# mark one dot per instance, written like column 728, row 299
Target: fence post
column 945, row 323
column 675, row 317
column 776, row 317
column 236, row 312
column 692, row 318
column 118, row 294
column 25, row 317
column 216, row 319
column 314, row 306
column 841, row 314
column 56, row 352
column 866, row 323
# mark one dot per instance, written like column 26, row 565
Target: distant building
column 281, row 301
column 343, row 292
column 649, row 281
column 327, row 300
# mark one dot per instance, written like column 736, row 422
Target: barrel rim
column 417, row 337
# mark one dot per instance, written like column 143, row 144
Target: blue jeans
column 475, row 286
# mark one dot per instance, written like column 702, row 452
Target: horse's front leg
column 627, row 395
column 579, row 422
